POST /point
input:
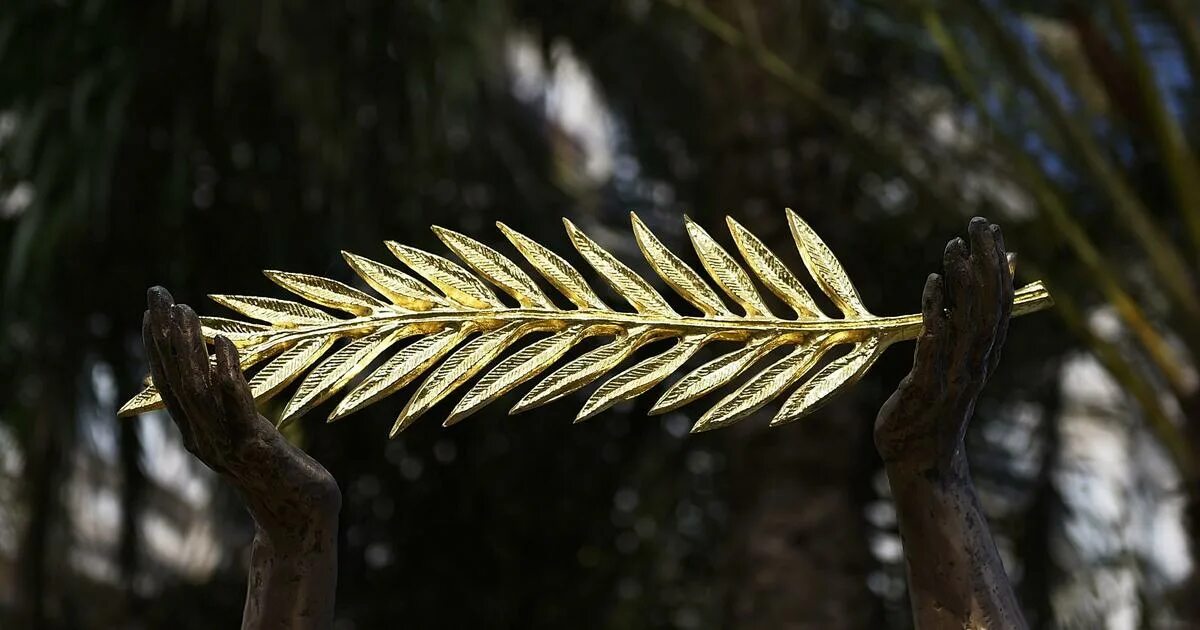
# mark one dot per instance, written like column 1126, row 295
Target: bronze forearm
column 294, row 501
column 955, row 575
column 956, row 578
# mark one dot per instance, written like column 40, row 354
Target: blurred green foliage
column 191, row 143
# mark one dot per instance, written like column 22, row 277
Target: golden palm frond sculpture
column 457, row 323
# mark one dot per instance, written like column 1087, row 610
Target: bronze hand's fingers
column 984, row 267
column 969, row 336
column 933, row 306
column 957, row 276
column 191, row 363
column 157, row 355
column 960, row 305
column 195, row 393
column 927, row 360
column 1006, row 297
column 985, row 271
column 159, row 303
column 192, row 350
column 236, row 399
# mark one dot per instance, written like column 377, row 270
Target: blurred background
column 191, row 143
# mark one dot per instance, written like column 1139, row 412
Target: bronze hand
column 294, row 501
column 956, row 579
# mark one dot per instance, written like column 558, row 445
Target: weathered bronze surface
column 294, row 501
column 461, row 326
column 955, row 577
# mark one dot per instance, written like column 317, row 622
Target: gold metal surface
column 459, row 326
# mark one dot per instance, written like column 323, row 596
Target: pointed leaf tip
column 825, row 268
column 676, row 273
column 629, row 285
column 726, row 271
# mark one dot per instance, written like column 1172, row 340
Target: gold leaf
column 282, row 370
column 837, row 375
column 773, row 272
column 222, row 325
column 240, row 333
column 281, row 313
column 714, row 374
column 498, row 269
column 764, row 386
column 399, row 287
column 825, row 268
column 253, row 354
column 399, row 370
column 326, row 292
column 554, row 269
column 642, row 376
column 629, row 285
column 729, row 275
column 335, row 372
column 145, row 400
column 676, row 272
column 460, row 286
column 1031, row 298
column 518, row 368
column 584, row 369
column 457, row 369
